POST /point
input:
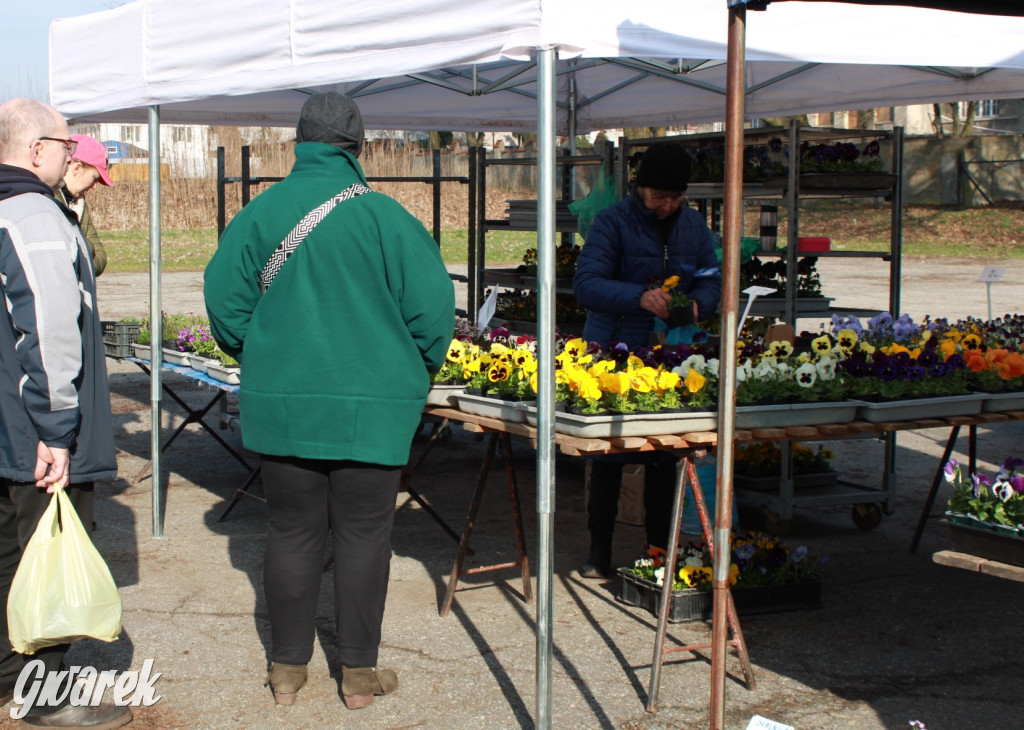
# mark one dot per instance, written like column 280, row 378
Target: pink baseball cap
column 92, row 152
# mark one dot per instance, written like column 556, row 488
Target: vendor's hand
column 656, row 301
column 52, row 467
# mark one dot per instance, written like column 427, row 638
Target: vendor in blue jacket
column 631, row 248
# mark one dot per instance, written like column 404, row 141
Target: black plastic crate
column 118, row 337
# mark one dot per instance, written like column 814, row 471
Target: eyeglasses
column 69, row 144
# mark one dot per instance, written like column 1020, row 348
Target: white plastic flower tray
column 912, row 408
column 479, row 405
column 634, row 424
column 230, row 375
column 444, row 395
column 795, row 414
column 996, row 402
column 174, row 357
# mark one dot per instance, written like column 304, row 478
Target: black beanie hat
column 665, row 166
column 333, row 119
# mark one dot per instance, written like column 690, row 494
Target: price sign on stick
column 487, row 310
column 990, row 274
column 753, row 293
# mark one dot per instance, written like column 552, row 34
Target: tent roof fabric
column 435, row 65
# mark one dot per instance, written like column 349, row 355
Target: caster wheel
column 775, row 525
column 866, row 516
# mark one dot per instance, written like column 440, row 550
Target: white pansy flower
column 806, row 375
column 712, row 366
column 826, row 367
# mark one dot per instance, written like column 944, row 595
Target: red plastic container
column 813, row 245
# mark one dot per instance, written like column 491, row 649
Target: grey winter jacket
column 53, row 377
column 625, row 253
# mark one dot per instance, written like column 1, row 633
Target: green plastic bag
column 602, row 195
column 63, row 589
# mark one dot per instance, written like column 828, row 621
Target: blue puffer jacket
column 624, row 252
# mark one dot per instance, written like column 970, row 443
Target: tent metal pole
column 545, row 377
column 732, row 225
column 155, row 318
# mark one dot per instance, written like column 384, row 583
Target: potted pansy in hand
column 680, row 307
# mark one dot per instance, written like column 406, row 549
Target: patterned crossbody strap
column 302, row 229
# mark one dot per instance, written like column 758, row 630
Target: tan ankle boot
column 285, row 681
column 359, row 685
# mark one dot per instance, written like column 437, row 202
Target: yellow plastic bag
column 63, row 589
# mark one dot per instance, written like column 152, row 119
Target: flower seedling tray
column 200, row 363
column 996, row 402
column 912, row 408
column 118, row 337
column 481, row 405
column 795, row 414
column 143, row 352
column 226, row 374
column 692, row 605
column 175, row 357
column 634, row 424
column 1003, row 546
column 444, row 395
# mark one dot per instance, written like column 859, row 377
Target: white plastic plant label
column 763, row 723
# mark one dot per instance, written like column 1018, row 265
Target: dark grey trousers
column 354, row 502
column 21, row 506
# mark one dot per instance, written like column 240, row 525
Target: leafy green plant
column 999, row 500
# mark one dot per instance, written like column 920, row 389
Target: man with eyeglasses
column 631, row 248
column 56, row 428
column 87, row 169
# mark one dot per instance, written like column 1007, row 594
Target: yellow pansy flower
column 694, row 381
column 456, row 350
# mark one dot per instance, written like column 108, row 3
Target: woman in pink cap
column 88, row 167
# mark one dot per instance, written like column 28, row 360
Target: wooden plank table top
column 576, row 446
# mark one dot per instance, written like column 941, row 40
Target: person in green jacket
column 336, row 355
column 88, row 168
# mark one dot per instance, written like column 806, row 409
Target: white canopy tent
column 537, row 65
column 411, row 65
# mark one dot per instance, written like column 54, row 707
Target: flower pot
column 143, row 352
column 690, row 604
column 680, row 317
column 1005, row 545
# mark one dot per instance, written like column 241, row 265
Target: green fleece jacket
column 336, row 356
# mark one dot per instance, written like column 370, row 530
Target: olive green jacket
column 92, row 237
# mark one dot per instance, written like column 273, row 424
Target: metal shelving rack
column 480, row 275
column 868, row 502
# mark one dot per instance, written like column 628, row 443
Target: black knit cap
column 333, row 119
column 665, row 166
